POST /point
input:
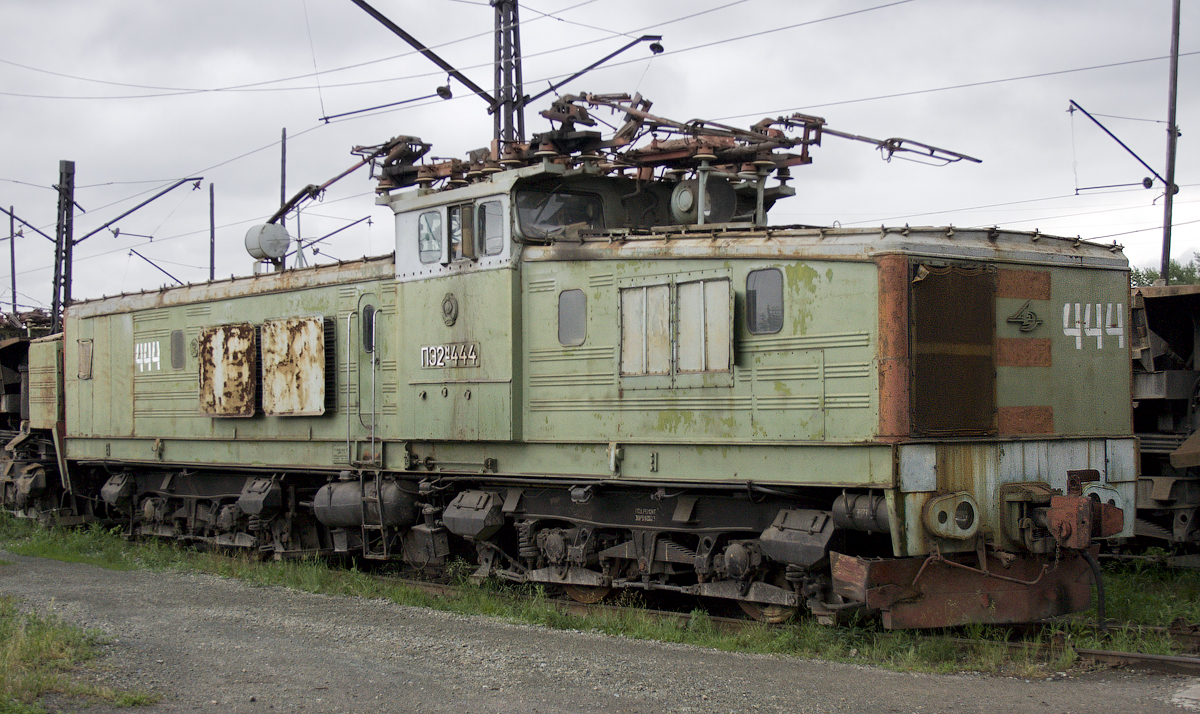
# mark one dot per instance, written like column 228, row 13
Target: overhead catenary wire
column 927, row 213
column 257, row 86
column 313, row 49
column 276, row 144
column 203, row 231
column 1114, row 116
column 967, row 85
column 1143, row 230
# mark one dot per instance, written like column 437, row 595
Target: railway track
column 1186, row 635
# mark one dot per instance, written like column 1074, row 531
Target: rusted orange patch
column 1023, row 352
column 1026, row 420
column 1023, row 284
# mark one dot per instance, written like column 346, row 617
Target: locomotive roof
column 815, row 243
column 671, row 242
column 340, row 273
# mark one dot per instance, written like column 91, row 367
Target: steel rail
column 1165, row 664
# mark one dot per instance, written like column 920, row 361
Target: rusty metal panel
column 228, row 370
column 893, row 348
column 1024, row 352
column 293, row 366
column 953, row 351
column 1023, row 284
column 45, row 383
column 1026, row 420
column 956, row 590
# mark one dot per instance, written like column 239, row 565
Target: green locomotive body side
column 138, row 398
column 928, row 391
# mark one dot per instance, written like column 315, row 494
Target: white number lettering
column 1068, row 330
column 1108, row 319
column 1088, row 330
column 1115, row 323
column 147, row 357
column 454, row 354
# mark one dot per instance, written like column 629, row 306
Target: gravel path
column 212, row 645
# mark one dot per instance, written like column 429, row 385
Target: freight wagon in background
column 598, row 367
column 1166, row 322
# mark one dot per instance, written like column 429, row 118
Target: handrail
column 349, row 349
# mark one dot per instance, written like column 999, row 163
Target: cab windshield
column 546, row 214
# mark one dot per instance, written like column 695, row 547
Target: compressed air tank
column 342, row 504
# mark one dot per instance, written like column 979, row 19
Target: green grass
column 1138, row 595
column 93, row 545
column 1152, row 595
column 38, row 655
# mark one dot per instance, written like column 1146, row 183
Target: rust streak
column 893, row 347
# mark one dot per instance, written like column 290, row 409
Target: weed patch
column 37, row 655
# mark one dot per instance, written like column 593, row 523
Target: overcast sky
column 141, row 93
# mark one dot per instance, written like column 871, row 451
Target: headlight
column 954, row 516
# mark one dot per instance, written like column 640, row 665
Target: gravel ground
column 212, row 645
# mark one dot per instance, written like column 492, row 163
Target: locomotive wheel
column 587, row 594
column 770, row 614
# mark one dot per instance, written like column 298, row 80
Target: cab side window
column 764, row 301
column 491, row 228
column 462, row 232
column 572, row 318
column 429, row 237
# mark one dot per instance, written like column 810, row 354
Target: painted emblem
column 449, row 309
column 1027, row 319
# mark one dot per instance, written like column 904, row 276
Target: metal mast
column 63, row 243
column 507, row 106
column 1172, row 136
column 509, row 119
column 12, row 251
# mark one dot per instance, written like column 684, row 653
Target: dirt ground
column 205, row 644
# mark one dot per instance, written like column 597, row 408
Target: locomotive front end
column 1004, row 387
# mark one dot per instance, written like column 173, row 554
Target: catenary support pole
column 283, row 182
column 62, row 241
column 212, row 233
column 1172, row 136
column 12, row 253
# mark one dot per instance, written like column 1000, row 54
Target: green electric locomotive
column 594, row 364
